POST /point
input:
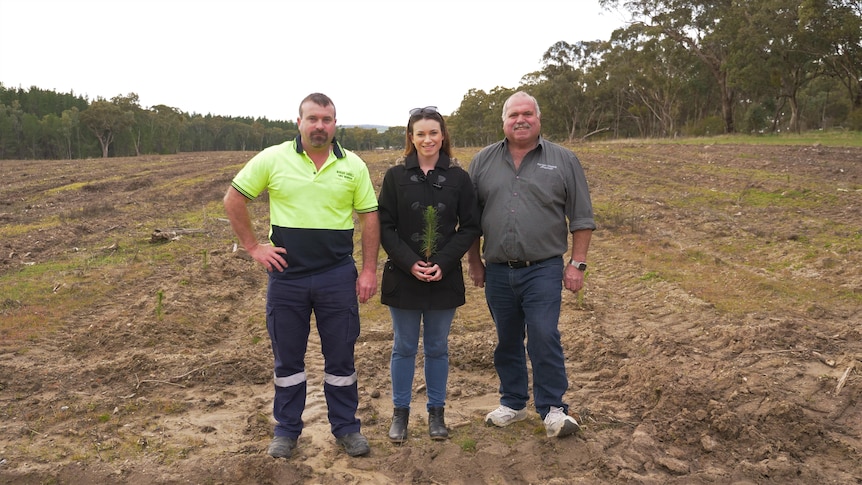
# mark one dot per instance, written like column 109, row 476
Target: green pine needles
column 430, row 235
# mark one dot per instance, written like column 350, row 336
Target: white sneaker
column 559, row 424
column 504, row 416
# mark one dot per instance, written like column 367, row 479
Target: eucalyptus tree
column 396, row 137
column 561, row 88
column 11, row 116
column 706, row 28
column 357, row 138
column 69, row 128
column 839, row 22
column 467, row 123
column 653, row 77
column 782, row 54
column 51, row 142
column 128, row 141
column 603, row 95
column 31, row 134
column 258, row 132
column 167, row 125
column 274, row 135
column 478, row 119
column 823, row 104
column 197, row 138
column 215, row 127
column 106, row 119
column 236, row 135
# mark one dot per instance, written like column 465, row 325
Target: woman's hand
column 425, row 271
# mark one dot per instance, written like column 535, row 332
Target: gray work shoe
column 354, row 444
column 281, row 447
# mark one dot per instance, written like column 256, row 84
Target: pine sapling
column 430, row 235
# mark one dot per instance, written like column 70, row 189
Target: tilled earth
column 717, row 339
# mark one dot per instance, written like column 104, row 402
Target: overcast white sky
column 375, row 58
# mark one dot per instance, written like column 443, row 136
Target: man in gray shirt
column 533, row 194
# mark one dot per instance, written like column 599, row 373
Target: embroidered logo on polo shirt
column 345, row 175
column 545, row 166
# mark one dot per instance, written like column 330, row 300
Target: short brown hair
column 319, row 99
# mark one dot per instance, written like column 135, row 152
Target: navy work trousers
column 332, row 297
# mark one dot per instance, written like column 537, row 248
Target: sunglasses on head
column 425, row 110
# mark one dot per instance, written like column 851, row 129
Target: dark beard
column 318, row 139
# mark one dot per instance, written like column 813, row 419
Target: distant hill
column 379, row 128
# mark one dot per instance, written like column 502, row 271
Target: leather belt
column 523, row 264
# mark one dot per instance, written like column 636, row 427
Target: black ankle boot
column 398, row 430
column 436, row 424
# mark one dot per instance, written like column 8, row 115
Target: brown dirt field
column 717, row 339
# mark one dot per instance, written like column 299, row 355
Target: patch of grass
column 467, row 444
column 697, row 256
column 735, row 289
column 614, row 216
column 38, row 297
column 172, row 406
column 67, row 187
column 9, row 231
column 650, row 276
column 801, row 198
column 159, row 311
column 700, row 197
column 89, row 212
column 835, row 138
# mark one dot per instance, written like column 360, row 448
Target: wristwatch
column 579, row 265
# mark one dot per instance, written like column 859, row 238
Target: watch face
column 582, row 266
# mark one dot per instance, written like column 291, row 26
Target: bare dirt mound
column 717, row 341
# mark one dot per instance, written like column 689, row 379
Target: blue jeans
column 435, row 342
column 525, row 304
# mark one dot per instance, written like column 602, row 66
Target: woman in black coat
column 428, row 219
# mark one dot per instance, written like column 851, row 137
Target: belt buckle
column 514, row 264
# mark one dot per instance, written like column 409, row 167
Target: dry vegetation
column 717, row 341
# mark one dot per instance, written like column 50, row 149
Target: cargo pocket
column 353, row 323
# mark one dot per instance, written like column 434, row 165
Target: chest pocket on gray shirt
column 545, row 185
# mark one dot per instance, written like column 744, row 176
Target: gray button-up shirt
column 528, row 214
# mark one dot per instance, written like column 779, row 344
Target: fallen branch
column 160, row 235
column 615, row 420
column 583, row 138
column 459, row 424
column 158, row 381
column 200, row 368
column 843, row 380
column 821, row 358
column 764, row 352
column 176, row 378
column 33, row 431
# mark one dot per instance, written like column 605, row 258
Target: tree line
column 677, row 68
column 694, row 68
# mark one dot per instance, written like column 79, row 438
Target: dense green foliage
column 678, row 68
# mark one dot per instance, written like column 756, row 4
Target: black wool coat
column 404, row 195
